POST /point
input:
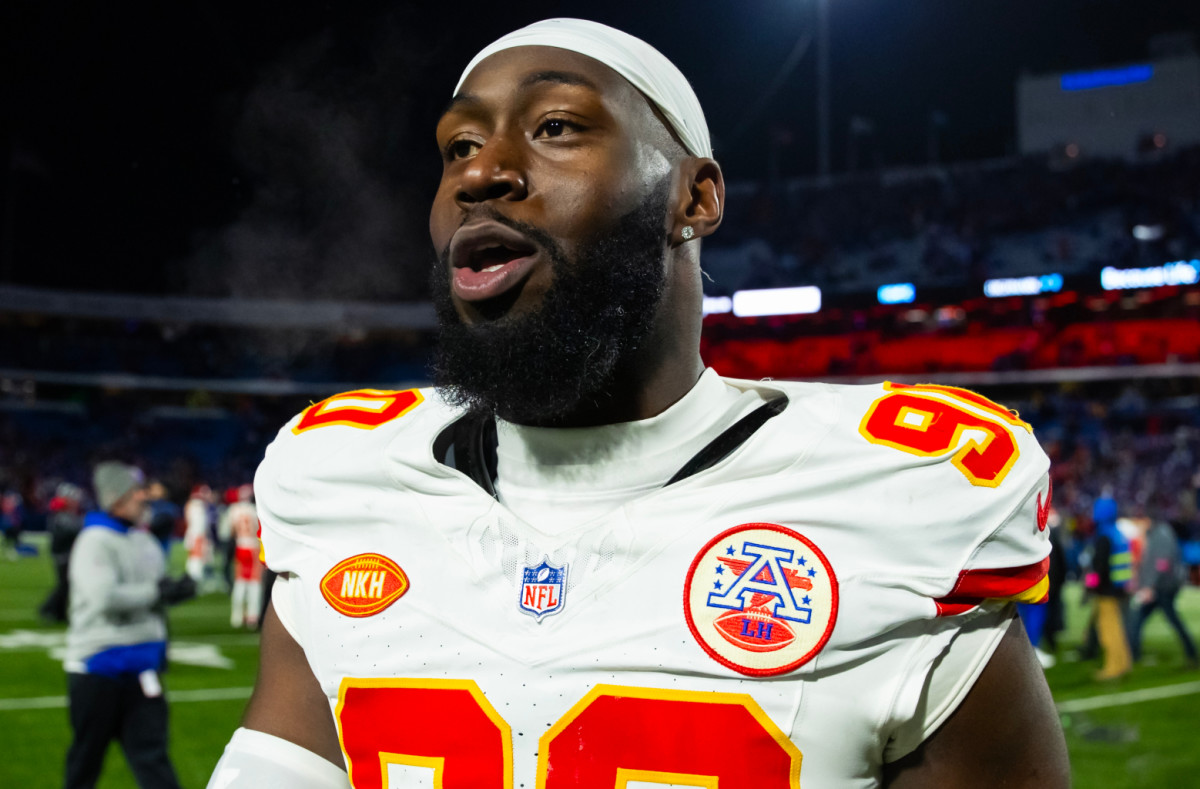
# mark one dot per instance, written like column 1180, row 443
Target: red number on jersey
column 614, row 735
column 364, row 409
column 445, row 726
column 916, row 420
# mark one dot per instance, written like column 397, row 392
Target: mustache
column 532, row 232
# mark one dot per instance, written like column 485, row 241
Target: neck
column 636, row 394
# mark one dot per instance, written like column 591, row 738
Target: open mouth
column 492, row 259
column 489, row 259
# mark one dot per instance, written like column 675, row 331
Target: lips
column 489, row 259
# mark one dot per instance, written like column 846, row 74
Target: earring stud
column 687, row 233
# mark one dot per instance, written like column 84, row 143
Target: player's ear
column 701, row 202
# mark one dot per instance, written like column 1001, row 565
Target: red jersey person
column 246, row 597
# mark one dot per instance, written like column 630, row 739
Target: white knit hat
column 645, row 67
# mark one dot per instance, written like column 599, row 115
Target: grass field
column 1120, row 735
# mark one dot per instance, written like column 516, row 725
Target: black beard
column 568, row 354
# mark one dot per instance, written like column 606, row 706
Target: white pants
column 247, row 600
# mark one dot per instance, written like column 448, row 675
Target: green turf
column 1147, row 744
column 36, row 740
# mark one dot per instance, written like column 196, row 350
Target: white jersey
column 770, row 621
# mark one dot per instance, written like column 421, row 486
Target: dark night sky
column 286, row 149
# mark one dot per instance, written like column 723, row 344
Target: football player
column 583, row 560
column 245, row 597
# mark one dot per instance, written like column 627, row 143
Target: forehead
column 505, row 76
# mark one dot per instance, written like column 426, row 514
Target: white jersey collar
column 628, row 456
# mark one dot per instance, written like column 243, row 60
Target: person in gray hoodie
column 117, row 635
column 1160, row 576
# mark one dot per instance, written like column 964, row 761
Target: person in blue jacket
column 1108, row 582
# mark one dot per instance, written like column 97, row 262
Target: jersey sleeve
column 320, row 464
column 272, row 495
column 1012, row 562
column 967, row 484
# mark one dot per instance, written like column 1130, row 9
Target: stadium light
column 1107, row 77
column 1148, row 232
column 777, row 301
column 717, row 305
column 897, row 293
column 1022, row 286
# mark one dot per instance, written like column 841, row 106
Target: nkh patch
column 543, row 589
column 761, row 599
column 363, row 585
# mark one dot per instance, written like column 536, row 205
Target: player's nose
column 496, row 172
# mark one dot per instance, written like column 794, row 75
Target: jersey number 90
column 444, row 734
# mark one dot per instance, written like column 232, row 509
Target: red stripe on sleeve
column 975, row 586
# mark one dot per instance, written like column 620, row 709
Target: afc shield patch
column 543, row 589
column 761, row 599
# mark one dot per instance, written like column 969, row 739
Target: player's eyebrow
column 465, row 100
column 559, row 77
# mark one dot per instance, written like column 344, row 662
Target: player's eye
column 555, row 127
column 461, row 148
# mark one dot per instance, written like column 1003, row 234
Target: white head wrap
column 644, row 66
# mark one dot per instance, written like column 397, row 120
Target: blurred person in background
column 1109, row 575
column 1160, row 576
column 63, row 523
column 117, row 636
column 12, row 517
column 199, row 514
column 246, row 597
column 164, row 513
column 225, row 542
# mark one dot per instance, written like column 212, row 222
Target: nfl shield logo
column 543, row 589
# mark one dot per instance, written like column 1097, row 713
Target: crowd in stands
column 958, row 226
column 179, row 439
column 1137, row 440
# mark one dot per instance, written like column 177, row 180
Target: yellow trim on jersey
column 625, row 775
column 697, row 696
column 1007, row 414
column 1034, row 594
column 436, row 763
